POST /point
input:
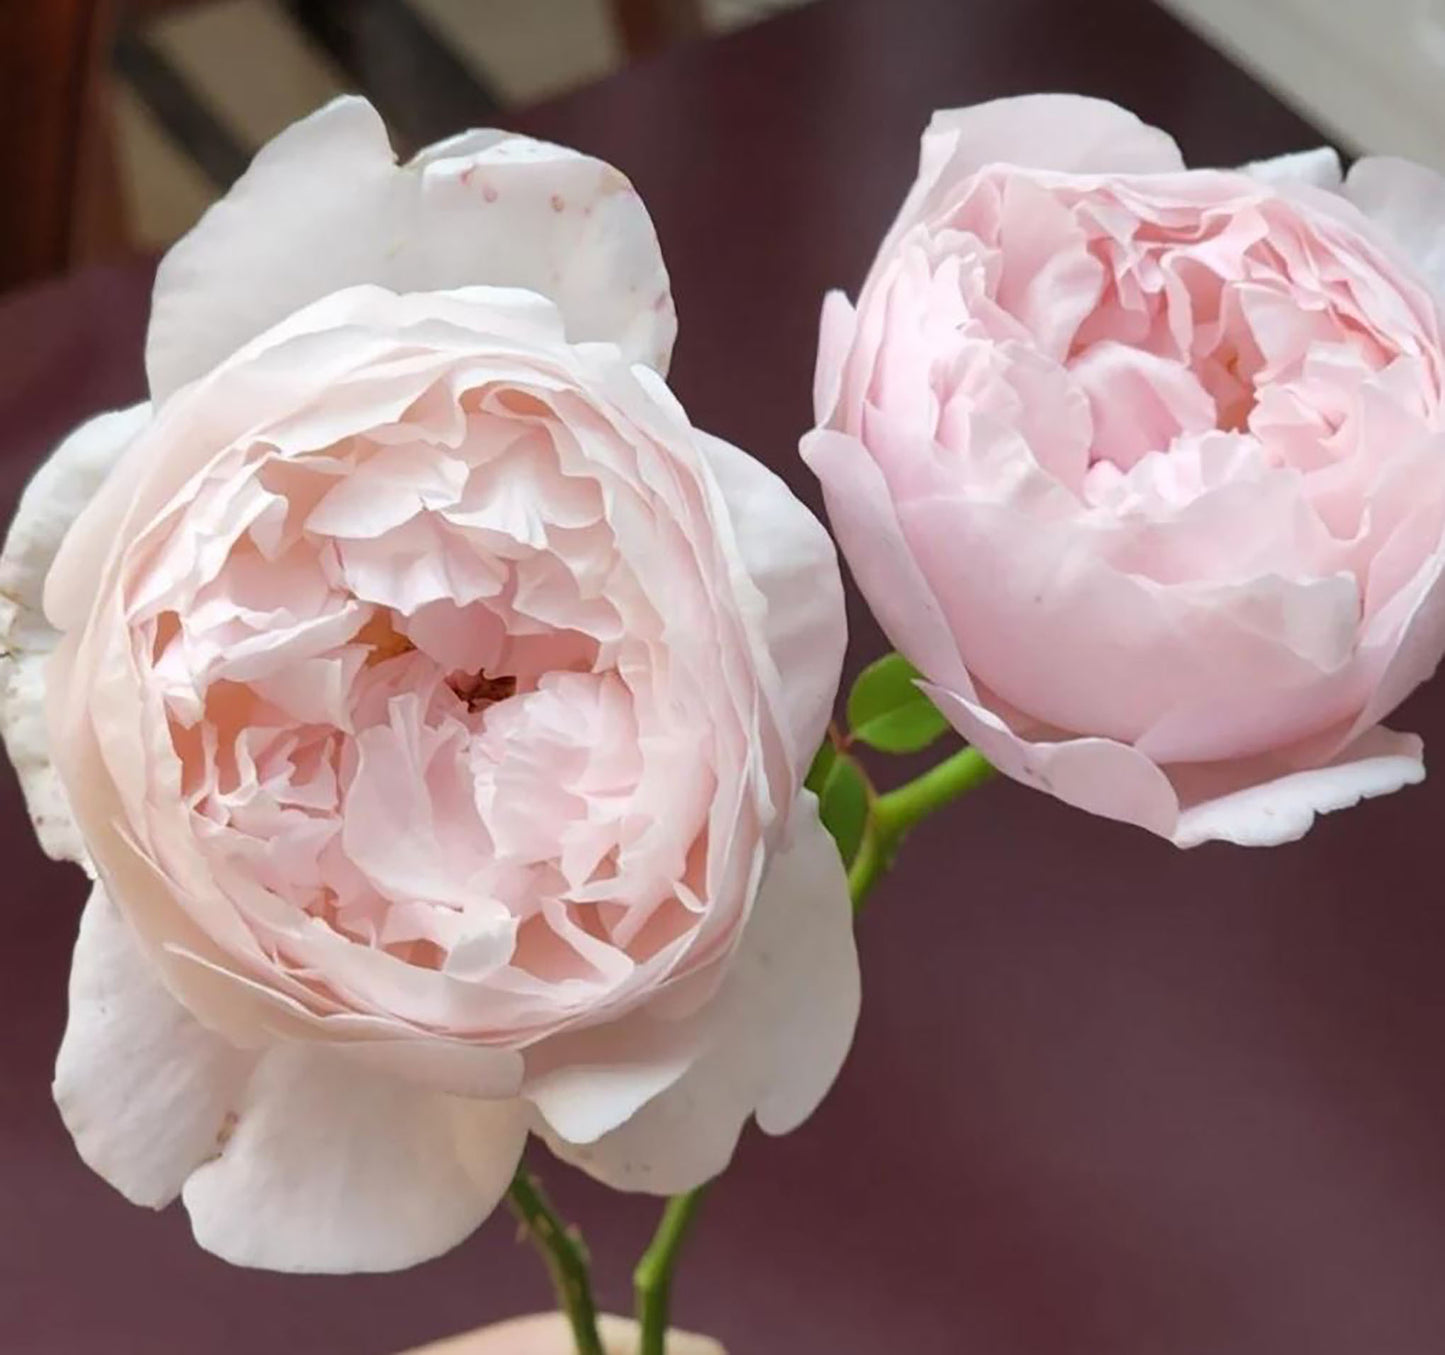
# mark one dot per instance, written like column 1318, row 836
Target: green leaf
column 887, row 711
column 843, row 805
column 823, row 762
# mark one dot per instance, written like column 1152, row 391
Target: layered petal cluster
column 1144, row 467
column 430, row 702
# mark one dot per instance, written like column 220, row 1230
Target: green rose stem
column 566, row 1258
column 653, row 1277
column 890, row 816
column 893, row 813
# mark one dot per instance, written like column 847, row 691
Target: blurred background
column 125, row 118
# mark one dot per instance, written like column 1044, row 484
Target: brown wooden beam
column 650, row 25
column 55, row 161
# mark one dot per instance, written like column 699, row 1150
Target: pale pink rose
column 430, row 702
column 1144, row 468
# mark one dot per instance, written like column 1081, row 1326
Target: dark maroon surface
column 1107, row 1098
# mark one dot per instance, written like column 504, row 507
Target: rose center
column 382, row 639
column 477, row 690
column 1230, row 382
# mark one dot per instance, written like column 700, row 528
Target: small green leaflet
column 823, row 762
column 888, row 712
column 843, row 805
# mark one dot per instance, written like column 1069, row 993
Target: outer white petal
column 325, row 206
column 334, row 1169
column 1249, row 804
column 785, row 1021
column 53, row 499
column 790, row 557
column 1284, row 809
column 144, row 1089
column 1320, row 168
column 585, row 1084
column 1407, row 202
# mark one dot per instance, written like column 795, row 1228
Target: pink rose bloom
column 430, row 702
column 1144, row 468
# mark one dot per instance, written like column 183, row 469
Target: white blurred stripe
column 1371, row 75
column 248, row 63
column 726, row 15
column 255, row 71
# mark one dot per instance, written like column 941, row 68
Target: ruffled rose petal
column 1407, row 201
column 330, row 1169
column 866, row 525
column 785, row 1022
column 325, row 206
column 53, row 499
column 789, row 555
column 837, row 325
column 144, row 1089
column 1100, row 775
column 1230, row 804
column 1415, row 648
column 320, row 346
column 1067, row 133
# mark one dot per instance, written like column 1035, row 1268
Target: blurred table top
column 1107, row 1098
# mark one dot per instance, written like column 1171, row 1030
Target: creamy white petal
column 143, row 1087
column 1282, row 810
column 1319, row 167
column 52, row 500
column 1233, row 802
column 789, row 555
column 586, row 1083
column 785, row 1022
column 333, row 1169
column 1407, row 201
column 325, row 206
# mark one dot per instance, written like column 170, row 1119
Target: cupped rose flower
column 430, row 702
column 1144, row 468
